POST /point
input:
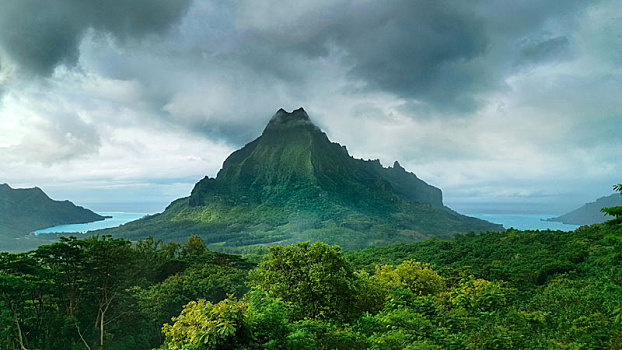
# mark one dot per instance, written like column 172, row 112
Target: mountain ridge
column 24, row 210
column 306, row 157
column 292, row 183
column 34, row 205
column 590, row 213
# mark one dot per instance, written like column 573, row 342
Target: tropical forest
column 497, row 290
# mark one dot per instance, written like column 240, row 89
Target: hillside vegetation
column 500, row 290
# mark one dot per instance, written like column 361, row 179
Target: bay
column 526, row 221
column 115, row 220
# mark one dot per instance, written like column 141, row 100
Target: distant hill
column 26, row 210
column 292, row 184
column 590, row 213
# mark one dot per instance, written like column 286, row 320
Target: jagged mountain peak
column 292, row 183
column 292, row 154
column 288, row 120
column 398, row 166
column 297, row 114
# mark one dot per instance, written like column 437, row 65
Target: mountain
column 291, row 184
column 29, row 209
column 590, row 213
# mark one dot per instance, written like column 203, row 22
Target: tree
column 479, row 295
column 268, row 320
column 616, row 212
column 194, row 247
column 208, row 326
column 203, row 281
column 22, row 282
column 65, row 261
column 317, row 280
column 411, row 275
column 111, row 272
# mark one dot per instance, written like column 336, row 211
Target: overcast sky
column 124, row 105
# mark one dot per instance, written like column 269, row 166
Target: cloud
column 57, row 139
column 419, row 50
column 39, row 35
column 440, row 55
column 545, row 50
column 489, row 99
column 45, row 132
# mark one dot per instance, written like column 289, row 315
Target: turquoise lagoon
column 116, row 219
column 526, row 221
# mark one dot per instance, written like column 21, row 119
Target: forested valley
column 498, row 290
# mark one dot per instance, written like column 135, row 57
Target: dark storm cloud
column 415, row 49
column 440, row 54
column 547, row 50
column 440, row 58
column 38, row 35
column 437, row 55
column 423, row 51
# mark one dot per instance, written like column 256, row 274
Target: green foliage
column 616, row 211
column 323, row 334
column 194, row 247
column 105, row 293
column 524, row 259
column 208, row 326
column 479, row 295
column 508, row 290
column 227, row 225
column 213, row 282
column 411, row 275
column 268, row 318
column 613, row 211
column 314, row 278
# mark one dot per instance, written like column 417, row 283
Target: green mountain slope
column 292, row 183
column 29, row 209
column 590, row 213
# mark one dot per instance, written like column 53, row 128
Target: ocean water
column 517, row 221
column 526, row 221
column 116, row 220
